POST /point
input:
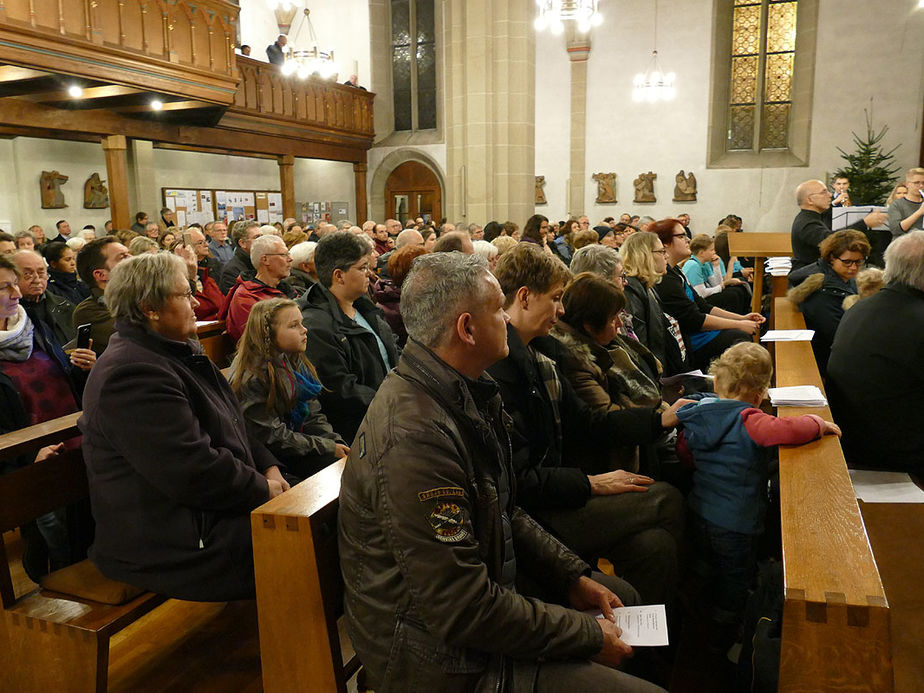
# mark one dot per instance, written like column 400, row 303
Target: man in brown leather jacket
column 432, row 544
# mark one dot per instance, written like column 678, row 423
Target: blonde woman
column 278, row 389
column 645, row 262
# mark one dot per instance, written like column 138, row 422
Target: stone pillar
column 114, row 148
column 489, row 122
column 578, row 52
column 287, row 184
column 359, row 177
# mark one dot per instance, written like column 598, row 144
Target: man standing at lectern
column 809, row 227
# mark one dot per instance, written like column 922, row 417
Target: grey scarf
column 16, row 340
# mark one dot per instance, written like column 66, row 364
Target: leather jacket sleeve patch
column 440, row 492
column 448, row 522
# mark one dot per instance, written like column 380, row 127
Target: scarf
column 307, row 388
column 16, row 340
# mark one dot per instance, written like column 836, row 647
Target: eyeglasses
column 188, row 294
column 851, row 263
column 680, row 235
column 9, row 287
column 286, row 254
column 661, row 251
column 29, row 274
column 820, row 192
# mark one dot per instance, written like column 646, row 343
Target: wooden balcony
column 268, row 101
column 173, row 48
column 128, row 54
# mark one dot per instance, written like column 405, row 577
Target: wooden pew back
column 300, row 588
column 836, row 617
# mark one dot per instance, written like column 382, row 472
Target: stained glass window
column 763, row 49
column 413, row 40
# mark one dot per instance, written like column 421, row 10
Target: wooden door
column 413, row 190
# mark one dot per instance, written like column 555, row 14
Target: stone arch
column 389, row 164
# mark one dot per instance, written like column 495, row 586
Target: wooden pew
column 300, row 589
column 57, row 642
column 836, row 618
column 216, row 343
column 760, row 246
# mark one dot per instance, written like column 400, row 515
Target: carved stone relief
column 685, row 188
column 52, row 196
column 644, row 187
column 606, row 187
column 540, row 190
column 95, row 193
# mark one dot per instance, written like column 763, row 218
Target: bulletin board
column 191, row 206
column 203, row 206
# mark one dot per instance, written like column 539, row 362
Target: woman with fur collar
column 819, row 289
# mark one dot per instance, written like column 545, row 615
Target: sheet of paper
column 263, row 216
column 885, row 487
column 788, row 336
column 642, row 626
column 674, row 379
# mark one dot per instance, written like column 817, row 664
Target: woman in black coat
column 173, row 475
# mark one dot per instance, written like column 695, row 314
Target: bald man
column 810, row 227
column 458, row 241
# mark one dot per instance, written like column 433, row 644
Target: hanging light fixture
column 554, row 13
column 654, row 84
column 303, row 63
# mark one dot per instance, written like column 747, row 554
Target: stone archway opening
column 407, row 182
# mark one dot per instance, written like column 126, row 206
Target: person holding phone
column 94, row 263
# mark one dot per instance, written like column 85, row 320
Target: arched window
column 413, row 64
column 764, row 54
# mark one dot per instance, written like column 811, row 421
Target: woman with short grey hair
column 173, row 475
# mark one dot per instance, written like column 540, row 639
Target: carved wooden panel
column 195, row 33
column 265, row 90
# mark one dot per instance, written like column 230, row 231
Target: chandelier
column 299, row 62
column 654, row 84
column 554, row 13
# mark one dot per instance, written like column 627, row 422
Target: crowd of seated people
column 588, row 321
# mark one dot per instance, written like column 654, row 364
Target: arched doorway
column 412, row 190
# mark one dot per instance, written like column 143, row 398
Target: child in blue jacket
column 727, row 437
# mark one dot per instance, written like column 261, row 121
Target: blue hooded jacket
column 728, row 440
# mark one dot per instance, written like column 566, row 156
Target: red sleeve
column 767, row 430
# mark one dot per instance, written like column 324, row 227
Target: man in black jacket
column 874, row 372
column 432, row 543
column 243, row 235
column 627, row 518
column 349, row 341
column 813, row 223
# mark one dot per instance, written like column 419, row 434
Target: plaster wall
column 342, row 27
column 855, row 69
column 20, row 196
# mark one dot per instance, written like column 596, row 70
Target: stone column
column 489, row 121
column 114, row 148
column 359, row 178
column 287, row 184
column 578, row 52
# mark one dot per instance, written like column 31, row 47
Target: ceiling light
column 654, row 84
column 157, row 104
column 553, row 14
column 74, row 91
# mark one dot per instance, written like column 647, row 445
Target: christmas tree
column 870, row 169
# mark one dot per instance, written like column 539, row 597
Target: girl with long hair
column 278, row 389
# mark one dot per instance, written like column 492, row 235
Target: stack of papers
column 797, row 396
column 778, row 266
column 788, row 336
column 885, row 487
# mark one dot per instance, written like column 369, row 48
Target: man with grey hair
column 874, row 377
column 369, row 227
column 276, row 52
column 454, row 241
column 431, row 537
column 476, row 232
column 271, row 260
column 303, row 272
column 242, row 236
column 393, row 226
column 644, row 223
column 349, row 341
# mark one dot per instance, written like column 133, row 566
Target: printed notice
column 642, row 626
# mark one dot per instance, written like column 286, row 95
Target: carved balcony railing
column 168, row 46
column 313, row 104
